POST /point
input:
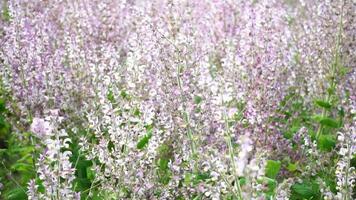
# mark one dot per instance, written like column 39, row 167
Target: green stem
column 333, row 73
column 232, row 160
column 187, row 121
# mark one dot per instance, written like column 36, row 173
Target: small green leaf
column 292, row 167
column 137, row 112
column 163, row 158
column 2, row 105
column 6, row 13
column 144, row 140
column 270, row 183
column 323, row 104
column 197, row 99
column 202, row 176
column 341, row 112
column 242, row 181
column 331, row 90
column 343, row 70
column 317, row 118
column 326, row 142
column 163, row 164
column 111, row 96
column 329, row 122
column 124, row 94
column 272, row 168
column 195, row 179
column 188, row 178
column 90, row 173
column 305, row 191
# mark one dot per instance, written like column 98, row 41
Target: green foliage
column 292, row 167
column 110, row 96
column 84, row 176
column 323, row 104
column 196, row 178
column 272, row 168
column 16, row 157
column 142, row 143
column 329, row 122
column 197, row 99
column 326, row 142
column 165, row 155
column 322, row 120
column 16, row 193
column 271, row 185
column 6, row 13
column 305, row 190
column 125, row 95
column 294, row 114
column 137, row 112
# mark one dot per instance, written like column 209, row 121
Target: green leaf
column 326, row 142
column 195, row 179
column 23, row 150
column 15, row 194
column 188, row 178
column 2, row 105
column 125, row 192
column 164, row 175
column 82, row 184
column 197, row 99
column 323, row 104
column 292, row 167
column 272, row 168
column 331, row 90
column 270, row 183
column 90, row 173
column 144, row 140
column 6, row 13
column 317, row 118
column 137, row 112
column 343, row 70
column 242, row 181
column 164, row 155
column 329, row 122
column 326, row 121
column 124, row 95
column 341, row 112
column 202, row 176
column 111, row 96
column 163, row 164
column 305, row 190
column 23, row 167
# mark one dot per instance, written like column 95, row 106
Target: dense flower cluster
column 178, row 98
column 345, row 172
column 53, row 167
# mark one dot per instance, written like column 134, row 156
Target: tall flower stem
column 231, row 155
column 187, row 120
column 333, row 73
column 180, row 85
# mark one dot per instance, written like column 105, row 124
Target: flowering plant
column 169, row 99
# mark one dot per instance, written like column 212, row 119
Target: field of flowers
column 178, row 99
